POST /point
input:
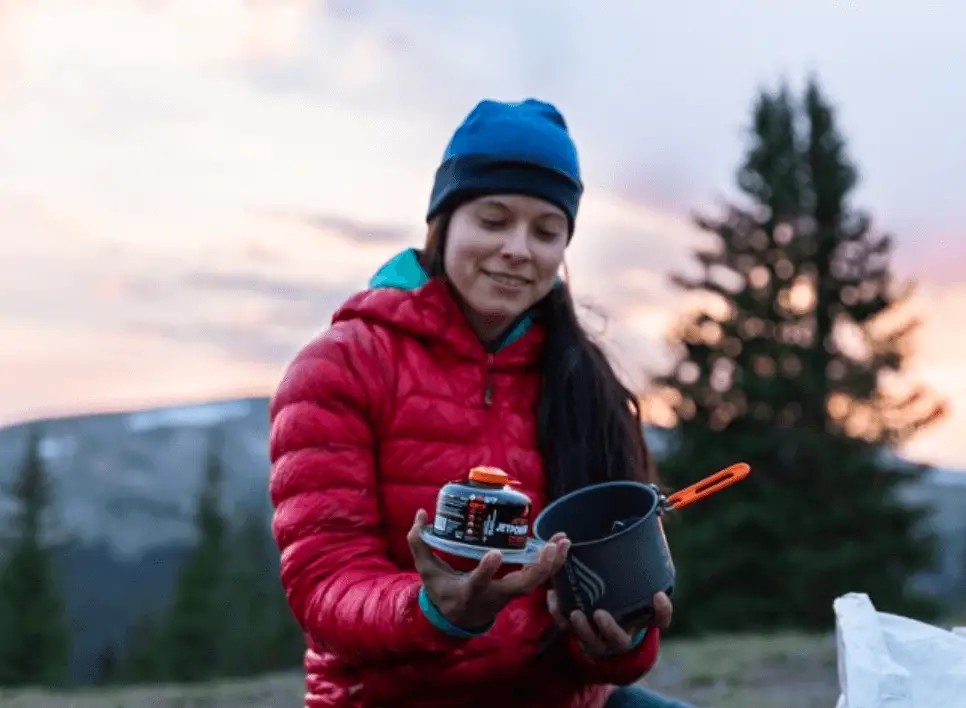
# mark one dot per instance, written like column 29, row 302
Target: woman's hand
column 604, row 635
column 473, row 600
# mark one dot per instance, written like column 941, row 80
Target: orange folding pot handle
column 708, row 486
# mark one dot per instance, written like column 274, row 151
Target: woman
column 465, row 353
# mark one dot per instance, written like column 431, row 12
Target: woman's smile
column 514, row 282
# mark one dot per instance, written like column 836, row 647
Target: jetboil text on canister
column 483, row 511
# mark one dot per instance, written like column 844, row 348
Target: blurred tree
column 265, row 636
column 790, row 362
column 245, row 641
column 286, row 641
column 229, row 615
column 194, row 630
column 34, row 633
column 142, row 659
column 107, row 667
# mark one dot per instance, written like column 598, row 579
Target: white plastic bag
column 887, row 661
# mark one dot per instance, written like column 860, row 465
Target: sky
column 188, row 189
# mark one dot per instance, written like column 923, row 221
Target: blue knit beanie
column 509, row 148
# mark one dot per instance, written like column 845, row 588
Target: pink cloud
column 41, row 362
column 142, row 184
column 37, row 35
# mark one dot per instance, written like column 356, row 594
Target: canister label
column 482, row 519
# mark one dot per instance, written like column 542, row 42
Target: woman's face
column 502, row 255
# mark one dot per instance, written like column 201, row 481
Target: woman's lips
column 509, row 281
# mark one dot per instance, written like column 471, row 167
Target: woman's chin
column 486, row 306
column 496, row 314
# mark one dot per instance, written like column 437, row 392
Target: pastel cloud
column 196, row 185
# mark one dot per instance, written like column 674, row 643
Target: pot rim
column 650, row 488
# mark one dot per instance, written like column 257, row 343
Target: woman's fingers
column 480, row 579
column 613, row 635
column 423, row 557
column 563, row 548
column 663, row 611
column 551, row 559
column 553, row 606
column 521, row 582
column 591, row 641
column 425, row 561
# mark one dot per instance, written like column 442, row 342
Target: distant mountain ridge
column 126, row 484
column 129, row 480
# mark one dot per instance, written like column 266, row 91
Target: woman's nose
column 516, row 246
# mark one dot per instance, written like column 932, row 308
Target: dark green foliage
column 194, row 627
column 107, row 669
column 143, row 659
column 228, row 615
column 34, row 636
column 265, row 636
column 792, row 366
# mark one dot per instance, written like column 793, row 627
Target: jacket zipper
column 491, row 422
column 489, row 384
column 491, row 355
column 488, row 378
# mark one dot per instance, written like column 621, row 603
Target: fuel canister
column 483, row 511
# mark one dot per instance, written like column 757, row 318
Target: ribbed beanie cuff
column 464, row 178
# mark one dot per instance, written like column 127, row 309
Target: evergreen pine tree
column 194, row 629
column 143, row 659
column 34, row 633
column 286, row 640
column 269, row 639
column 791, row 366
column 107, row 667
column 249, row 638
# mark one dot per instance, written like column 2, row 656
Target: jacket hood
column 403, row 297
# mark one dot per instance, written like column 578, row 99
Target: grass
column 781, row 671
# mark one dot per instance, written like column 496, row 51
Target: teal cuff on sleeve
column 636, row 641
column 440, row 622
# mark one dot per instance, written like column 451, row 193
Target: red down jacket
column 395, row 399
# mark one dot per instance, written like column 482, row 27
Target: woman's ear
column 564, row 275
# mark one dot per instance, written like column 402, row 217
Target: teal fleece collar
column 404, row 272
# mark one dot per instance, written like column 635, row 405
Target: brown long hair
column 589, row 424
